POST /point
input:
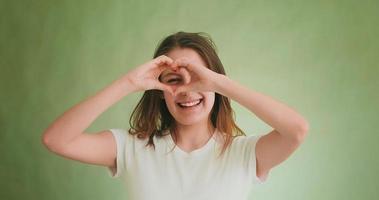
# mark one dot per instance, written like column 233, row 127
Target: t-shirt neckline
column 197, row 151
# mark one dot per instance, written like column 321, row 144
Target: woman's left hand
column 199, row 78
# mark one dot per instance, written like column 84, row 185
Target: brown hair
column 151, row 116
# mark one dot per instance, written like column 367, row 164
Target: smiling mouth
column 190, row 104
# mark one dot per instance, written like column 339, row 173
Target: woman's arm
column 66, row 136
column 77, row 119
column 290, row 128
column 289, row 123
column 276, row 114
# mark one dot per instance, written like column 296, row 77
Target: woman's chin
column 189, row 120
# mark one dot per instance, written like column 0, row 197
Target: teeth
column 190, row 103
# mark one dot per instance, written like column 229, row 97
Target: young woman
column 183, row 142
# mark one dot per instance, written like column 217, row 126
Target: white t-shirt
column 178, row 175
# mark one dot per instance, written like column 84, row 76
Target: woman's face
column 186, row 114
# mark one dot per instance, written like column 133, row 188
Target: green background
column 318, row 57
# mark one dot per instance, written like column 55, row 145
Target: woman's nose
column 185, row 93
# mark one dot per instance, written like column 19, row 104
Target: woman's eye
column 173, row 80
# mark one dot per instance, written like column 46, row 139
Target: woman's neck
column 194, row 136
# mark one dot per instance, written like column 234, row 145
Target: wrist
column 220, row 81
column 127, row 84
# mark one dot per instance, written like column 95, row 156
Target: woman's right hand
column 145, row 76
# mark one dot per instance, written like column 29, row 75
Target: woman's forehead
column 183, row 52
column 186, row 52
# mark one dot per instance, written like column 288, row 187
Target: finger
column 182, row 71
column 164, row 65
column 185, row 74
column 161, row 69
column 184, row 62
column 164, row 87
column 163, row 60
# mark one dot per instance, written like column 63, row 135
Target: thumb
column 186, row 75
column 164, row 87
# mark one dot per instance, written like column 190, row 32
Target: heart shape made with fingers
column 175, row 78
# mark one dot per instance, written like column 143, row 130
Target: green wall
column 319, row 57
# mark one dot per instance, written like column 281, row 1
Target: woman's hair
column 151, row 116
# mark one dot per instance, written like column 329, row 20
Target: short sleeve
column 250, row 157
column 120, row 136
